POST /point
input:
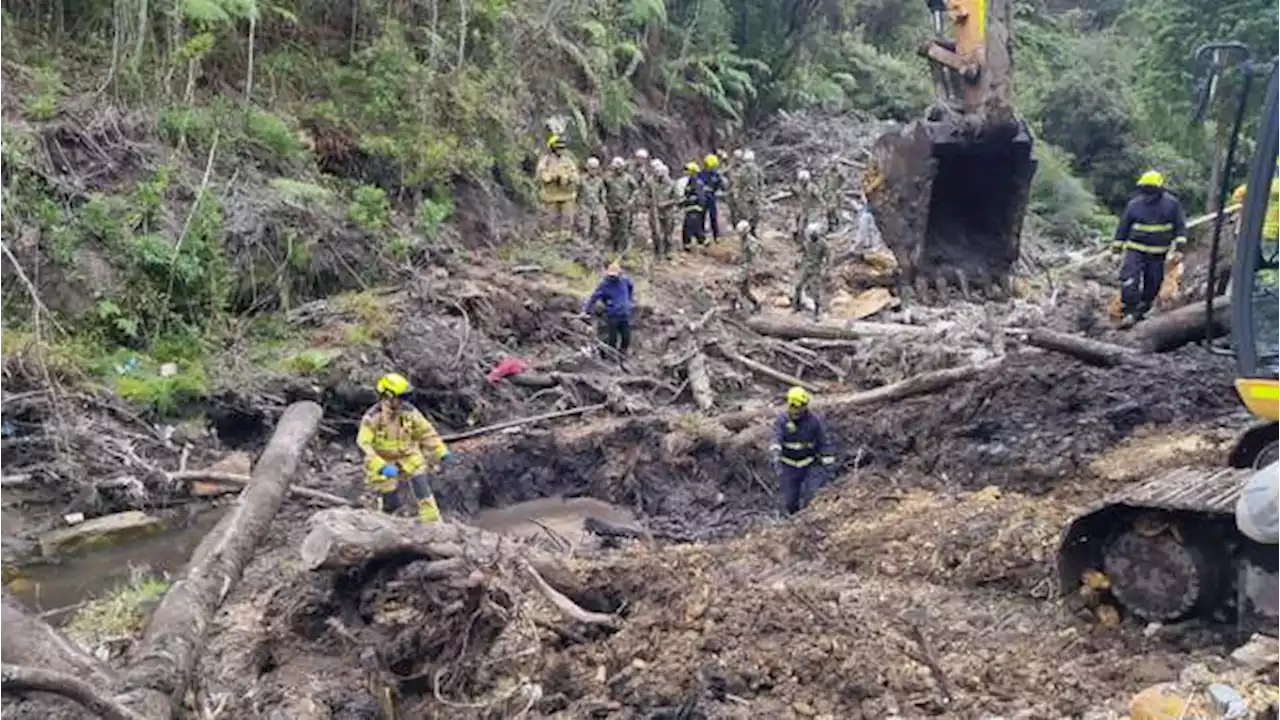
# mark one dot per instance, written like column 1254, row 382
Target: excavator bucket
column 950, row 204
column 949, row 191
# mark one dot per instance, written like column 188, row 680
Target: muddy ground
column 934, row 543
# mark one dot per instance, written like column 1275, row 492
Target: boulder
column 98, row 532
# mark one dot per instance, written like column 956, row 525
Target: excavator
column 1182, row 544
column 949, row 192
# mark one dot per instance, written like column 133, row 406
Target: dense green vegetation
column 194, row 161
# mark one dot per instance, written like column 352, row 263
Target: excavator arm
column 950, row 191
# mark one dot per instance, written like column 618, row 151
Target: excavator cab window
column 1255, row 306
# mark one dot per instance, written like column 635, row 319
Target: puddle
column 561, row 516
column 60, row 587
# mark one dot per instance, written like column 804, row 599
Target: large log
column 798, row 329
column 921, row 384
column 174, row 637
column 1093, row 352
column 763, row 369
column 1171, row 330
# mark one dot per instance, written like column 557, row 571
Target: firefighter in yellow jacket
column 557, row 177
column 394, row 436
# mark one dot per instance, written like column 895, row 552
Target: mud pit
column 942, row 528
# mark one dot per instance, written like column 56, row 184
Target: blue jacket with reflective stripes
column 802, row 439
column 1152, row 223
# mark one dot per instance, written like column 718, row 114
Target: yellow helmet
column 711, row 162
column 1151, row 178
column 392, row 385
column 691, row 168
column 555, row 142
column 797, row 397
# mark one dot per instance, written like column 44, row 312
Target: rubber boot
column 428, row 511
column 389, row 502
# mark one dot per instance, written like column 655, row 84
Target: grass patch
column 119, row 613
column 310, row 361
column 372, row 320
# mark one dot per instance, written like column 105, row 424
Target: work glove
column 1115, row 249
column 389, row 470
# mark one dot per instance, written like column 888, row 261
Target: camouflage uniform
column 832, row 195
column 805, row 194
column 557, row 176
column 591, row 208
column 655, row 190
column 619, row 203
column 813, row 263
column 750, row 250
column 748, row 191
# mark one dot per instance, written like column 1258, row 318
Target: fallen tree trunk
column 340, row 539
column 1093, row 352
column 763, row 369
column 522, row 421
column 921, row 384
column 1171, row 330
column 699, row 382
column 799, row 329
column 242, row 481
column 175, row 635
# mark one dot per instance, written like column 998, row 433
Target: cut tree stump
column 462, row 555
column 1171, row 330
column 797, row 329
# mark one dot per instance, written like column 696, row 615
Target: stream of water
column 57, row 588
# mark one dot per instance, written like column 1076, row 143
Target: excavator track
column 1165, row 549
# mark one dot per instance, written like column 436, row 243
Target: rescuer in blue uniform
column 800, row 452
column 1152, row 230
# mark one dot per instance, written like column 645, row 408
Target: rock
column 98, row 532
column 239, row 463
column 1167, row 702
column 803, row 709
column 1262, row 652
column 1196, row 675
column 1227, row 701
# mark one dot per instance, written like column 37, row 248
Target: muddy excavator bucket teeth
column 950, row 202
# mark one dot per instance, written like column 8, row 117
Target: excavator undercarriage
column 949, row 191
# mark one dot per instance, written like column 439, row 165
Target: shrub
column 1062, row 200
column 272, row 133
column 369, row 208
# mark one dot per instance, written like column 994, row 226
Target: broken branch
column 797, row 330
column 522, row 421
column 765, row 370
column 19, row 678
column 242, row 481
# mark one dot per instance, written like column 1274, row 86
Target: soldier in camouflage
column 813, row 265
column 805, row 194
column 657, row 197
column 746, row 258
column 748, row 188
column 619, row 204
column 832, row 193
column 591, row 204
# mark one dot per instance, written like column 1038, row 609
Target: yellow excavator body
column 1197, row 542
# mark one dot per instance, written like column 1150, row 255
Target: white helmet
column 748, row 154
column 617, row 162
column 737, row 154
column 593, row 162
column 642, row 154
column 656, row 164
column 803, row 176
column 742, row 226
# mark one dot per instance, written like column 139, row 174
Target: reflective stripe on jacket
column 1152, row 224
column 390, row 438
column 801, row 439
